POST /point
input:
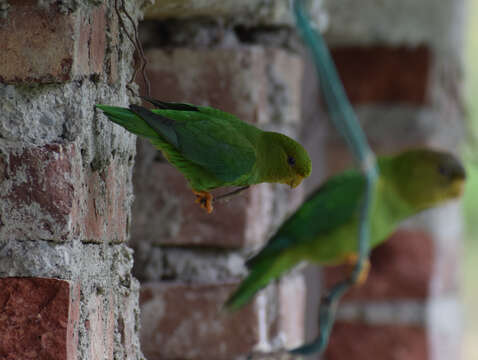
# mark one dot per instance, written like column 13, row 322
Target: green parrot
column 324, row 229
column 212, row 148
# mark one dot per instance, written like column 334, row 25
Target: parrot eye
column 443, row 170
column 291, row 161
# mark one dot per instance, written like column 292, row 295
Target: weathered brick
column 384, row 74
column 401, row 268
column 388, row 342
column 91, row 42
column 165, row 211
column 43, row 45
column 100, row 327
column 185, row 321
column 107, row 204
column 38, row 192
column 45, row 196
column 38, row 318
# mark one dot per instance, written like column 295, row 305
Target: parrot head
column 290, row 164
column 440, row 176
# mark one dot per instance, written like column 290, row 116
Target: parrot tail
column 129, row 120
column 260, row 275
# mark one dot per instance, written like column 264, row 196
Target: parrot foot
column 204, row 199
column 351, row 260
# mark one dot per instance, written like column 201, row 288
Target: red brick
column 38, row 318
column 41, row 44
column 45, row 196
column 92, row 42
column 162, row 194
column 38, row 189
column 381, row 74
column 401, row 268
column 106, row 217
column 180, row 321
column 384, row 342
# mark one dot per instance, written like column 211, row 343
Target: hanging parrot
column 212, row 148
column 324, row 229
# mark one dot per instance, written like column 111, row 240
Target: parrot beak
column 458, row 184
column 457, row 187
column 296, row 181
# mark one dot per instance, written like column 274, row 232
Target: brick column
column 66, row 289
column 189, row 262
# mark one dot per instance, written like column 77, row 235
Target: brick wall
column 66, row 289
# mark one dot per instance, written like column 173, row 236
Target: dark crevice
column 207, row 33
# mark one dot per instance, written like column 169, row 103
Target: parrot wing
column 207, row 110
column 170, row 105
column 326, row 209
column 204, row 140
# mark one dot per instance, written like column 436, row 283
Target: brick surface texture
column 38, row 318
column 92, row 205
column 66, row 288
column 42, row 45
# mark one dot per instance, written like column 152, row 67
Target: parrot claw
column 362, row 278
column 351, row 260
column 204, row 199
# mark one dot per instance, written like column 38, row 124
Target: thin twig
column 138, row 47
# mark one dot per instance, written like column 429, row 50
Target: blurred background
column 471, row 194
column 402, row 64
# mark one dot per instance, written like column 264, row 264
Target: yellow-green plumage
column 213, row 148
column 324, row 229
